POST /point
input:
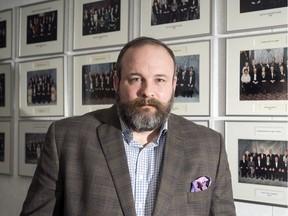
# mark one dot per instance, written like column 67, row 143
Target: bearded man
column 135, row 158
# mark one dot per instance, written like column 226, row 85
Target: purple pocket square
column 200, row 184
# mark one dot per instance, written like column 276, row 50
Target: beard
column 141, row 119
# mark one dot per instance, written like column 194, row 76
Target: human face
column 147, row 86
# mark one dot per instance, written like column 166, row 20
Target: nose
column 147, row 89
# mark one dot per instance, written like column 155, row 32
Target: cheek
column 127, row 92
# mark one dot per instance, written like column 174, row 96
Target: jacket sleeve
column 45, row 194
column 222, row 199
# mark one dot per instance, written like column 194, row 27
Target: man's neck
column 145, row 137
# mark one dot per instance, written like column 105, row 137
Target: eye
column 135, row 79
column 160, row 80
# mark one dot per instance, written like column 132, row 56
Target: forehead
column 147, row 56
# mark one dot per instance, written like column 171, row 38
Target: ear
column 116, row 82
column 174, row 82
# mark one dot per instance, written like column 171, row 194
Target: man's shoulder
column 187, row 126
column 95, row 117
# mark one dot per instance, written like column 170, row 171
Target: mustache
column 144, row 102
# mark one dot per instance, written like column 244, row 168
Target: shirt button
column 140, row 206
column 141, row 177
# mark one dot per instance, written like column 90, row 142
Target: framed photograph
column 31, row 140
column 256, row 14
column 5, row 34
column 192, row 93
column 175, row 18
column 5, row 148
column 256, row 75
column 258, row 158
column 41, row 87
column 93, row 81
column 99, row 23
column 5, row 90
column 41, row 28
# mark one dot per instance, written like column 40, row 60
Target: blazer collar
column 110, row 136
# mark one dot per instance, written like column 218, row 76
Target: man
column 273, row 80
column 245, row 82
column 243, row 165
column 255, row 84
column 135, row 158
column 259, row 168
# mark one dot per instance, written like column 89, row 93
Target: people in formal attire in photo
column 268, row 168
column 243, row 165
column 264, row 81
column 282, row 79
column 136, row 157
column 251, row 167
column 255, row 82
column 273, row 80
column 259, row 168
column 245, row 82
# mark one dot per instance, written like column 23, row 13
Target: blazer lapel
column 111, row 141
column 172, row 162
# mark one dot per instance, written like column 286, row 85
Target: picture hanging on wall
column 5, row 90
column 93, row 82
column 99, row 23
column 31, row 141
column 5, row 34
column 199, row 122
column 192, row 92
column 5, row 148
column 41, row 29
column 256, row 14
column 176, row 19
column 256, row 79
column 41, row 87
column 258, row 159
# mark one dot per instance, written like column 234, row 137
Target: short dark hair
column 138, row 42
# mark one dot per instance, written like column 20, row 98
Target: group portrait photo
column 3, row 30
column 187, row 72
column 33, row 147
column 41, row 87
column 97, row 84
column 100, row 17
column 41, row 27
column 2, row 90
column 258, row 5
column 171, row 11
column 263, row 162
column 263, row 74
column 2, row 147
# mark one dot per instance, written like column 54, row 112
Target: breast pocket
column 202, row 197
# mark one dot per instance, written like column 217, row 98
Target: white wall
column 13, row 188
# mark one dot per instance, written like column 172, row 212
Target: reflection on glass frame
column 256, row 75
column 99, row 23
column 5, row 90
column 5, row 34
column 193, row 78
column 256, row 14
column 180, row 20
column 255, row 177
column 31, row 141
column 93, row 82
column 41, row 87
column 42, row 28
column 5, row 148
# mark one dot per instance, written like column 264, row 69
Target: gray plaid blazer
column 83, row 170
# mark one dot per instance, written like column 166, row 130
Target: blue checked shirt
column 144, row 165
